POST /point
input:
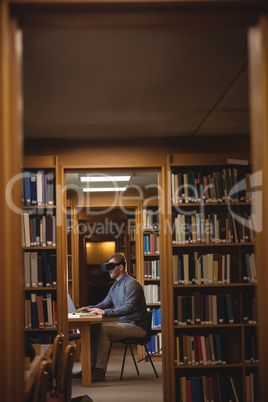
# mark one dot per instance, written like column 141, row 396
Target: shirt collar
column 121, row 279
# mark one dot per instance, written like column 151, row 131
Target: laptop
column 71, row 307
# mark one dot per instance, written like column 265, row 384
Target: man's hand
column 96, row 311
column 79, row 310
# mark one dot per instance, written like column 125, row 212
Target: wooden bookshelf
column 197, row 274
column 40, row 235
column 70, row 247
column 151, row 273
column 131, row 251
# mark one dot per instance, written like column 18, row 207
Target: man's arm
column 105, row 304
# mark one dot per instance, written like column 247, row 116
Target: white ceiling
column 139, row 181
column 99, row 83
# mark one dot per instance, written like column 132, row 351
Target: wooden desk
column 83, row 323
column 29, row 375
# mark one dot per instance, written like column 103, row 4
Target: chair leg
column 151, row 360
column 110, row 348
column 77, row 350
column 123, row 364
column 134, row 359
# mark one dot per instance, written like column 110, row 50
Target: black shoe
column 98, row 375
column 79, row 373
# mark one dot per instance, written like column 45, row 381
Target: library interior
column 137, row 127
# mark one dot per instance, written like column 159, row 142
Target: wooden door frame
column 12, row 382
column 11, row 292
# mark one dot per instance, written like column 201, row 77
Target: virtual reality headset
column 107, row 266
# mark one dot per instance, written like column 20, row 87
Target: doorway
column 107, row 206
column 100, row 236
column 121, row 219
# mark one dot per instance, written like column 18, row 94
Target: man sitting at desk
column 126, row 301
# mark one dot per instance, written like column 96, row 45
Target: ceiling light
column 104, row 178
column 100, row 189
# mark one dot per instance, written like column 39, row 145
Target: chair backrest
column 41, row 381
column 65, row 386
column 56, row 357
column 147, row 338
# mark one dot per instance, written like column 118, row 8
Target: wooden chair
column 74, row 337
column 56, row 364
column 137, row 341
column 65, row 380
column 41, row 381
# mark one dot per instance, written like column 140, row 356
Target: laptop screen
column 71, row 306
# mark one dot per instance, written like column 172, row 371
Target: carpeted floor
column 143, row 388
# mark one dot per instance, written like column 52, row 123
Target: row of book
column 38, row 188
column 205, row 269
column 155, row 344
column 132, row 250
column 224, row 185
column 40, row 311
column 132, row 234
column 38, row 231
column 195, row 350
column 210, row 269
column 249, row 309
column 251, row 349
column 156, row 318
column 252, row 387
column 250, row 269
column 151, row 243
column 133, row 270
column 150, row 218
column 214, row 388
column 40, row 269
column 152, row 294
column 198, row 309
column 151, row 269
column 200, row 228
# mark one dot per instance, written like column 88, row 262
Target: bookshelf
column 151, row 273
column 70, row 251
column 214, row 276
column 40, row 242
column 132, row 248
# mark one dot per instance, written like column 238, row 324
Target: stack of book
column 156, row 319
column 151, row 243
column 198, row 309
column 249, row 309
column 252, row 387
column 152, row 294
column 40, row 311
column 38, row 188
column 199, row 228
column 205, row 269
column 151, row 269
column 155, row 344
column 251, row 349
column 150, row 218
column 212, row 388
column 250, row 269
column 225, row 185
column 38, row 231
column 39, row 269
column 195, row 350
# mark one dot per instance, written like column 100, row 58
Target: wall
column 130, row 153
